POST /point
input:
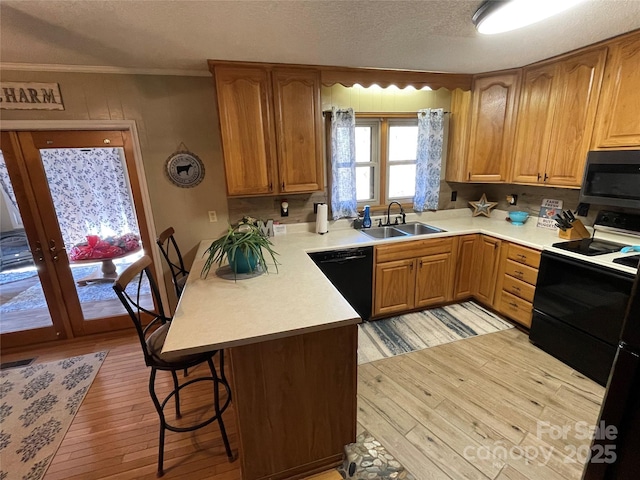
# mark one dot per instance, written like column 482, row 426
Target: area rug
column 33, row 297
column 9, row 276
column 416, row 331
column 37, row 406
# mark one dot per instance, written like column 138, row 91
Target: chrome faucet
column 404, row 217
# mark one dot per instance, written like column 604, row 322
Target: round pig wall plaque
column 185, row 169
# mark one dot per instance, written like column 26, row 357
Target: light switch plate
column 213, row 217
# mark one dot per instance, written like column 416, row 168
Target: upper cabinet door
column 535, row 119
column 244, row 105
column 618, row 112
column 574, row 117
column 298, row 129
column 492, row 120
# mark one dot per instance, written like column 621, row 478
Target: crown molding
column 48, row 67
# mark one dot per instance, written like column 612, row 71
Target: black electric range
column 589, row 246
column 610, row 222
column 630, row 261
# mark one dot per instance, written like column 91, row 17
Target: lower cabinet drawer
column 515, row 308
column 521, row 272
column 518, row 288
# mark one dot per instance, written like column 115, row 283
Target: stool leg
column 222, row 374
column 156, row 403
column 177, row 395
column 216, row 406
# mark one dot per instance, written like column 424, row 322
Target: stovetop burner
column 589, row 246
column 629, row 261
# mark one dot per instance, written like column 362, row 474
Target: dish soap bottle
column 366, row 221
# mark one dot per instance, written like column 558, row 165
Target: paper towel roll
column 322, row 224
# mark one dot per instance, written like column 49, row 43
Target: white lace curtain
column 428, row 159
column 343, row 164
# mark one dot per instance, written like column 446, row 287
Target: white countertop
column 218, row 313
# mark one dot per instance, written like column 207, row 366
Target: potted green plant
column 242, row 245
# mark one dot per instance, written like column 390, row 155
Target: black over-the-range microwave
column 612, row 178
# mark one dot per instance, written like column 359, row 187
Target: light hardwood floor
column 468, row 409
column 434, row 410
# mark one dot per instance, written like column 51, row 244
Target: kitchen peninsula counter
column 220, row 313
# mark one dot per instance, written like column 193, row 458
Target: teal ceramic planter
column 242, row 263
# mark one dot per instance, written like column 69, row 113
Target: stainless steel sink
column 384, row 232
column 409, row 229
column 417, row 228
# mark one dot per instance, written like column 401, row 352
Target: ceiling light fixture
column 497, row 16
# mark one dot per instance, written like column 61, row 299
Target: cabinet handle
column 469, row 175
column 519, row 273
column 411, row 267
column 521, row 256
column 271, row 186
column 514, row 288
column 420, row 264
column 282, row 185
column 539, row 176
column 514, row 305
column 545, row 176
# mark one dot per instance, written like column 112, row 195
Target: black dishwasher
column 351, row 272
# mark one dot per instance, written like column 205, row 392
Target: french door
column 69, row 292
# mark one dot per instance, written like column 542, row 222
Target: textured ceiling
column 433, row 35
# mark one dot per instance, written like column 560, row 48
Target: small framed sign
column 30, row 96
column 184, row 169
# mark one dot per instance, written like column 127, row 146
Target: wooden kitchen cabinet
column 456, row 168
column 394, row 287
column 246, row 128
column 270, row 124
column 618, row 124
column 485, row 268
column 464, row 279
column 517, row 278
column 534, row 122
column 574, row 117
column 298, row 124
column 556, row 115
column 413, row 274
column 491, row 134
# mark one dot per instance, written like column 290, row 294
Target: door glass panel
column 94, row 207
column 22, row 303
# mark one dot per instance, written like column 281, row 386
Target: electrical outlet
column 212, row 216
column 454, row 195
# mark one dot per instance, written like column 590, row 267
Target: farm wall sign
column 30, row 96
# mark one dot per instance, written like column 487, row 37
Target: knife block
column 569, row 234
column 577, row 232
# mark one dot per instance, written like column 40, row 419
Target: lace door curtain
column 428, row 159
column 90, row 192
column 5, row 182
column 343, row 164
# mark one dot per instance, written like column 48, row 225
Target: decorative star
column 482, row 206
